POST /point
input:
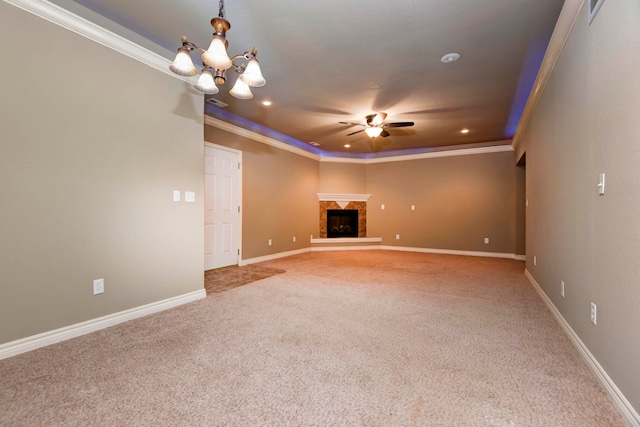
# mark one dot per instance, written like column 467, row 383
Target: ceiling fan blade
column 353, row 133
column 384, row 133
column 350, row 123
column 379, row 118
column 397, row 124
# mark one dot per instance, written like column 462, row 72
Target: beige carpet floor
column 367, row 338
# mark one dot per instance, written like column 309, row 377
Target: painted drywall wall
column 279, row 198
column 459, row 200
column 93, row 143
column 342, row 178
column 521, row 209
column 586, row 124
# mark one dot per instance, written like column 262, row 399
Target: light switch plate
column 176, row 195
column 189, row 196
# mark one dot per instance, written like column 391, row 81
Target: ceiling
column 332, row 61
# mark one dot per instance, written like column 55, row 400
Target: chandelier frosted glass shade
column 373, row 131
column 205, row 83
column 216, row 56
column 241, row 90
column 252, row 74
column 183, row 65
column 216, row 62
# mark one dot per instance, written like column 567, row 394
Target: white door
column 222, row 208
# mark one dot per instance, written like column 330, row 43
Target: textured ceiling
column 321, row 59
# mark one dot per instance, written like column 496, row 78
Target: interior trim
column 429, row 155
column 450, row 252
column 44, row 339
column 211, row 121
column 335, row 197
column 567, row 19
column 621, row 402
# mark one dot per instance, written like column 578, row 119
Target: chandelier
column 216, row 62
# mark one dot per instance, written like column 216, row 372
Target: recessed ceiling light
column 465, row 130
column 267, row 103
column 375, row 87
column 450, row 57
column 347, row 145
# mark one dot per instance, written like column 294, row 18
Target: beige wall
column 521, row 209
column 342, row 178
column 93, row 143
column 279, row 198
column 459, row 201
column 586, row 123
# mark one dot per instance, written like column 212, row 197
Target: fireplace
column 357, row 221
column 342, row 223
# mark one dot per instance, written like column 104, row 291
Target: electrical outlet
column 98, row 286
column 294, row 239
column 270, row 242
column 535, row 260
column 382, row 207
column 397, row 237
column 413, row 207
column 486, row 240
column 594, row 314
column 562, row 288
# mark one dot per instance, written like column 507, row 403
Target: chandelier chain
column 221, row 9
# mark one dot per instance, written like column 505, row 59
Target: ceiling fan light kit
column 376, row 126
column 373, row 131
column 216, row 62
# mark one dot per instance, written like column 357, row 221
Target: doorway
column 222, row 222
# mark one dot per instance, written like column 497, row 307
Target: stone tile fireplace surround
column 343, row 201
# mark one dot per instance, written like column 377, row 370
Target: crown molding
column 566, row 21
column 220, row 124
column 72, row 22
column 430, row 155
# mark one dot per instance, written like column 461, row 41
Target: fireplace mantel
column 334, row 197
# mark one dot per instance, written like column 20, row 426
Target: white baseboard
column 450, row 252
column 44, row 339
column 345, row 248
column 379, row 247
column 624, row 407
column 248, row 261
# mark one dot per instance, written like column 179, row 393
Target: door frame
column 239, row 153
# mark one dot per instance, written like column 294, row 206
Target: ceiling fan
column 376, row 126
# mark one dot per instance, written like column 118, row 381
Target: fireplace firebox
column 342, row 223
